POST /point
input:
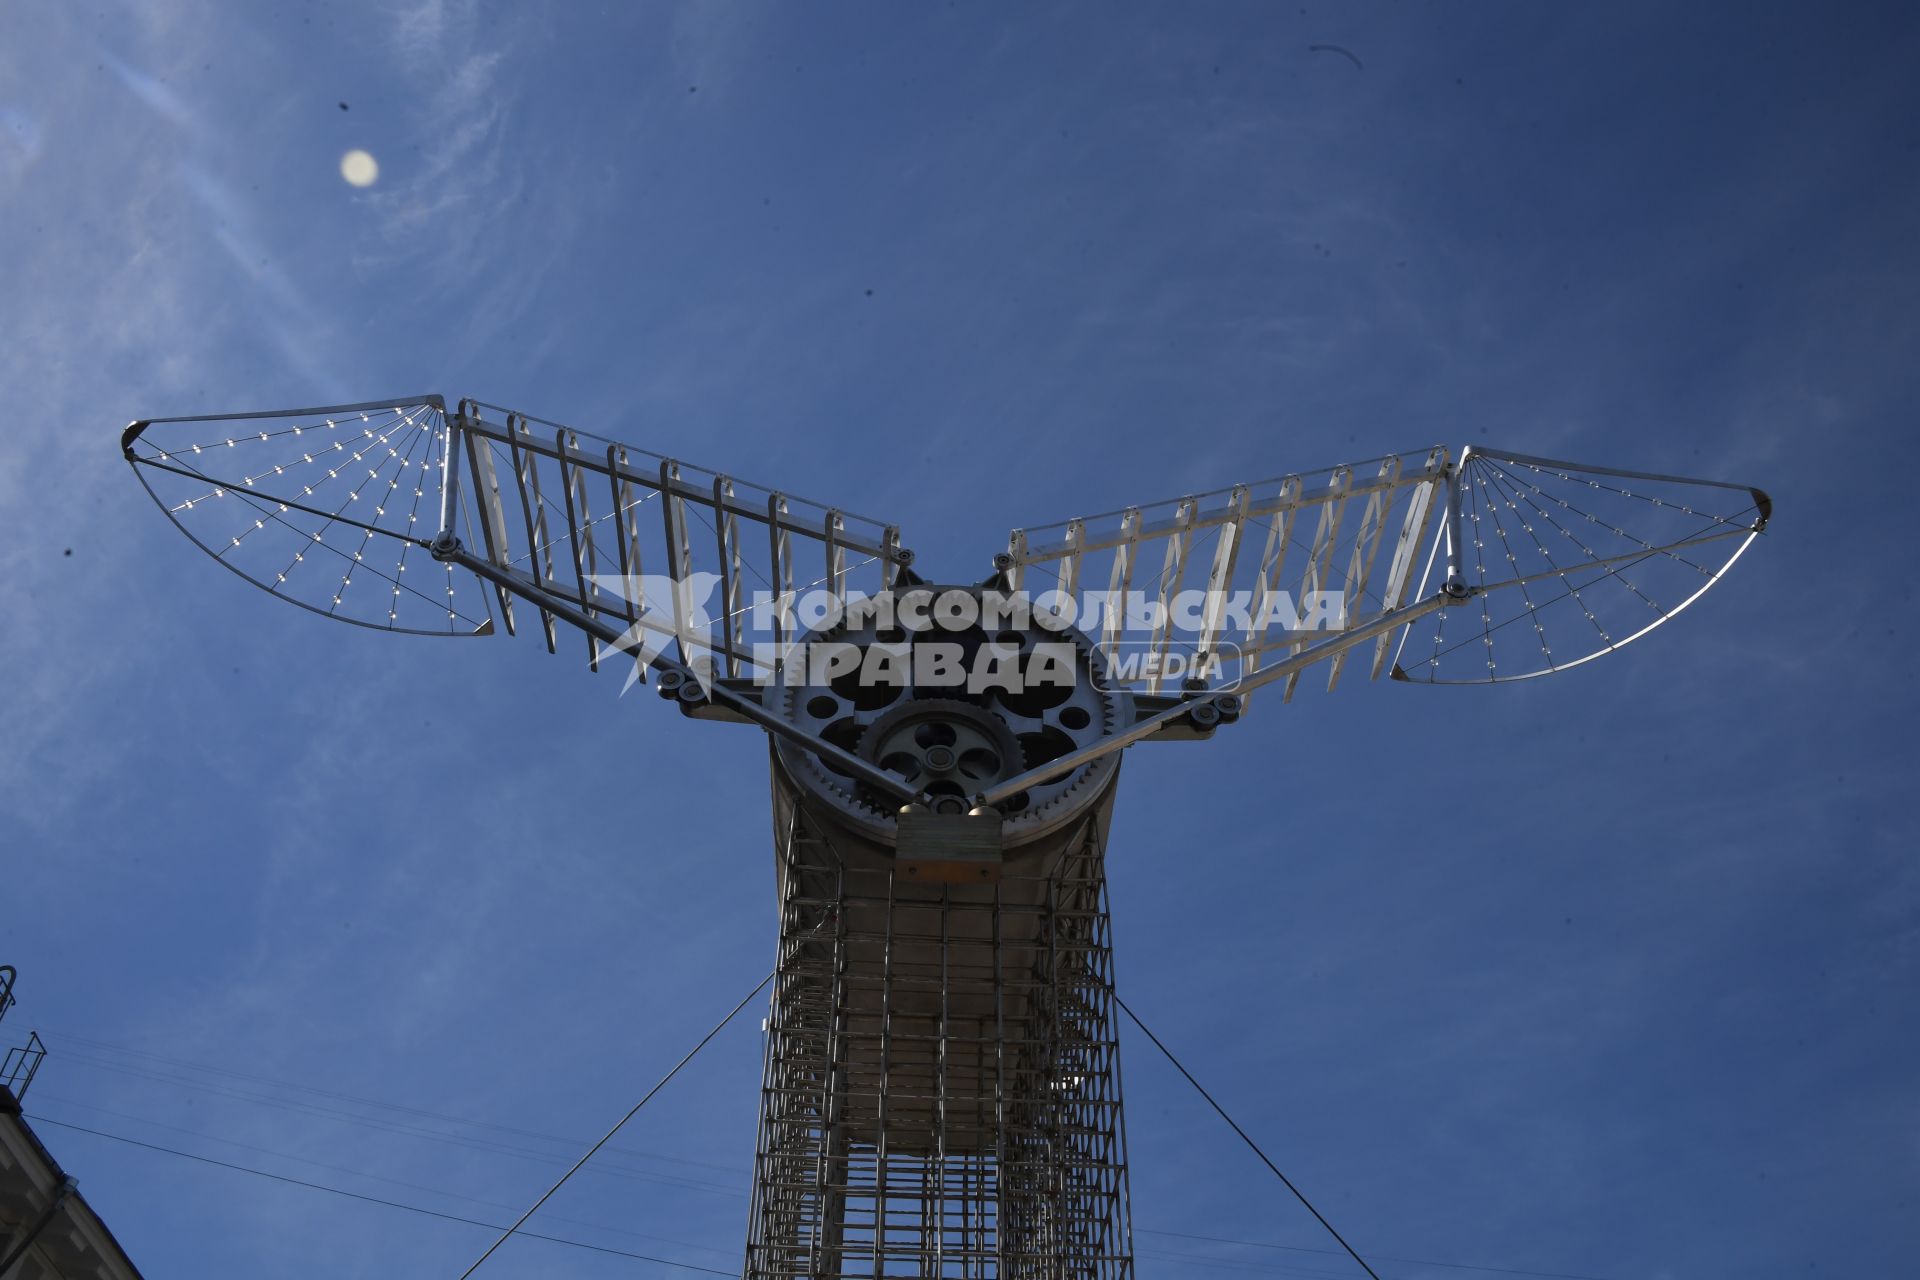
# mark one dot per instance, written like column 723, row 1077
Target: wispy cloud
column 194, row 158
column 157, row 97
column 440, row 210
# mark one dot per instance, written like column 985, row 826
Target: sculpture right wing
column 1494, row 567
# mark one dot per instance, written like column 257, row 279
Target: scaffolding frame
column 942, row 1091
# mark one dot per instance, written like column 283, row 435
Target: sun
column 359, row 168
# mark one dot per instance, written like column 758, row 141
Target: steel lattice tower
column 942, row 1082
column 941, row 1093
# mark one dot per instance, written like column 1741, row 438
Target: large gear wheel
column 972, row 739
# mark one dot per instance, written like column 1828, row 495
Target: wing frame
column 685, row 488
column 1393, row 492
column 1453, row 543
column 1204, row 708
column 682, row 679
column 135, row 431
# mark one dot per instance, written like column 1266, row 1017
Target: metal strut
column 448, row 549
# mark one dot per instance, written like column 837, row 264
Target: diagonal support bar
column 746, row 707
column 1152, row 724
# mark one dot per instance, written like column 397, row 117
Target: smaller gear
column 949, row 749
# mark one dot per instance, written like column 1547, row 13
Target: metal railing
column 22, row 1061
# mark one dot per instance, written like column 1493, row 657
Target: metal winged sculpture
column 941, row 1092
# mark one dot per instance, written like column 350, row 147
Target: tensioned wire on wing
column 1568, row 562
column 331, row 509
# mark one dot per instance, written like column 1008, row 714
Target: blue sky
column 1608, row 974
